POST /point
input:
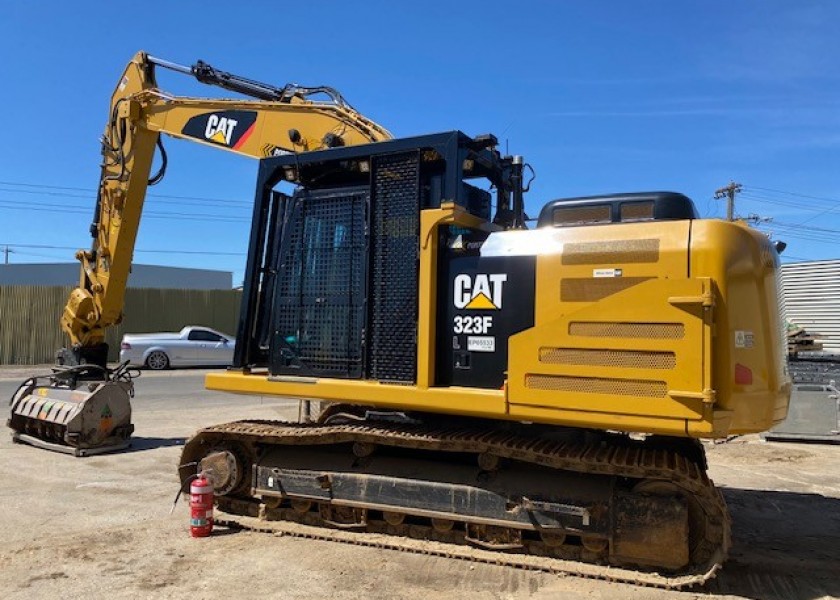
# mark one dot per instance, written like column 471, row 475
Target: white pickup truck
column 192, row 346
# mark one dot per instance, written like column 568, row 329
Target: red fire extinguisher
column 201, row 506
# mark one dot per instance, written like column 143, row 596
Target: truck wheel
column 157, row 360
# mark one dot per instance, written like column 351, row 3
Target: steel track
column 634, row 462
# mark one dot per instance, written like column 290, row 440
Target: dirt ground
column 100, row 527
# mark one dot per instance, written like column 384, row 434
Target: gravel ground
column 100, row 526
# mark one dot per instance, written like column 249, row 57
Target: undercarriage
column 572, row 501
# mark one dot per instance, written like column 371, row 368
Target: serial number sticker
column 606, row 272
column 481, row 343
column 744, row 339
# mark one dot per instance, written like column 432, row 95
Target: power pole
column 729, row 192
column 6, row 252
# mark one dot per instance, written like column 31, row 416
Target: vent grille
column 611, row 252
column 589, row 289
column 633, row 359
column 394, row 228
column 637, row 211
column 582, row 215
column 653, row 331
column 597, row 385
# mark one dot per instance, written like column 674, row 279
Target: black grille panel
column 319, row 311
column 393, row 286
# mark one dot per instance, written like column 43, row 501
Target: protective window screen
column 394, row 227
column 319, row 313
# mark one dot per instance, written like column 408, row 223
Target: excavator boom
column 85, row 409
column 278, row 121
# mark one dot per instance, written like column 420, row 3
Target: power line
column 782, row 202
column 797, row 194
column 39, row 255
column 787, row 256
column 807, row 227
column 793, row 227
column 749, row 196
column 93, row 191
column 49, row 210
column 50, row 247
column 820, row 211
column 811, row 237
column 76, row 209
column 819, row 214
column 835, row 203
column 185, row 202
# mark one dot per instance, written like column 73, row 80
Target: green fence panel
column 30, row 333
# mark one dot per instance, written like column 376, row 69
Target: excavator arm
column 276, row 121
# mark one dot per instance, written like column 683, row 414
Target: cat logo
column 219, row 129
column 230, row 128
column 480, row 291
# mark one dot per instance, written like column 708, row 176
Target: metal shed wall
column 141, row 276
column 811, row 293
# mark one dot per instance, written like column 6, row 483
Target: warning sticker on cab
column 482, row 343
column 744, row 339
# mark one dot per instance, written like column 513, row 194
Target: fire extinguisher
column 201, row 506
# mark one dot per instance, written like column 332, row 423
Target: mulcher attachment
column 82, row 410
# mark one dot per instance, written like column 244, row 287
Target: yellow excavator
column 84, row 408
column 538, row 394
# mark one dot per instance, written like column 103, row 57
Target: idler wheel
column 442, row 525
column 272, row 502
column 696, row 515
column 363, row 449
column 488, row 462
column 593, row 544
column 552, row 539
column 301, row 507
column 225, row 469
column 393, row 518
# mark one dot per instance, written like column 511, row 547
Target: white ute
column 192, row 346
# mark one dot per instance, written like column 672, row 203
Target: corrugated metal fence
column 30, row 334
column 812, row 298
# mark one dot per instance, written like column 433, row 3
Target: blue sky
column 599, row 96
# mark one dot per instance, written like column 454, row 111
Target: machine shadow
column 139, row 444
column 786, row 546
